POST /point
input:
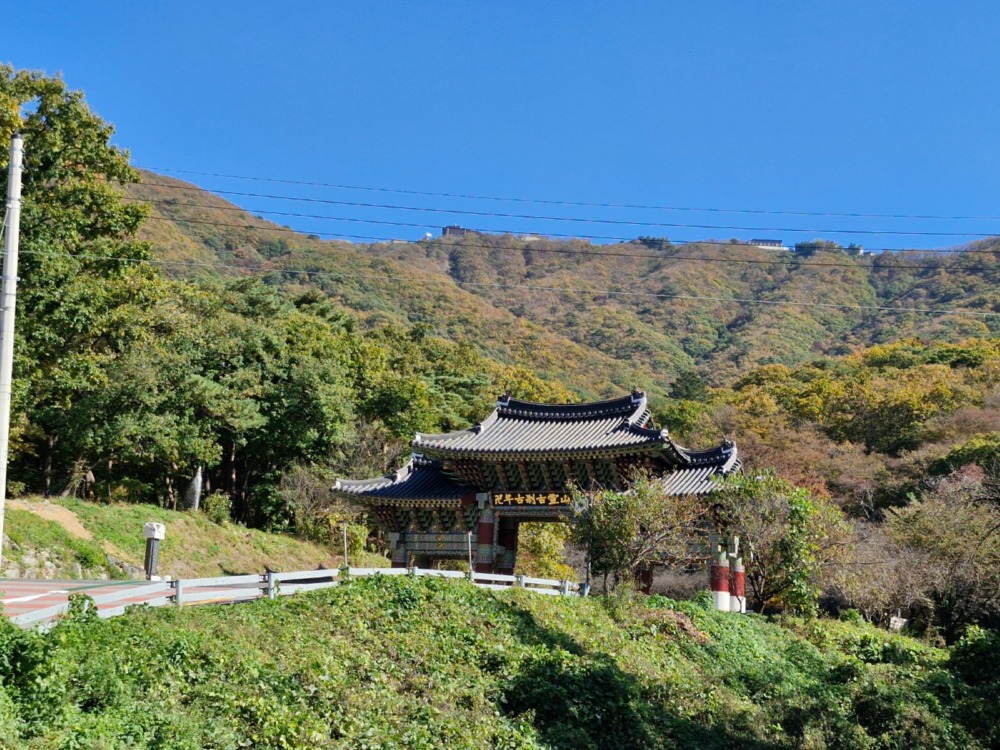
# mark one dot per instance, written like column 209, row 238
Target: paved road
column 20, row 595
column 25, row 596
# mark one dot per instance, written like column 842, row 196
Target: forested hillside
column 601, row 318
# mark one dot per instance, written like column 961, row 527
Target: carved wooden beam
column 522, row 469
column 547, row 475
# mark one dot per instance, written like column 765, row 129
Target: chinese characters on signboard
column 510, row 499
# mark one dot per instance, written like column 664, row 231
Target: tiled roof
column 524, row 427
column 538, row 433
column 689, row 481
column 419, row 479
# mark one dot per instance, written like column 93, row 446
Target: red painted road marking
column 25, row 596
column 22, row 596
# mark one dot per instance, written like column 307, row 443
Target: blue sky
column 851, row 107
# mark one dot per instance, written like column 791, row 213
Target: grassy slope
column 598, row 344
column 28, row 534
column 418, row 663
column 194, row 546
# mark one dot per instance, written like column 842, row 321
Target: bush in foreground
column 429, row 663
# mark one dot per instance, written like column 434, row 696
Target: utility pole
column 8, row 295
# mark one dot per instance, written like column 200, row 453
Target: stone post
column 738, row 591
column 397, row 544
column 484, row 540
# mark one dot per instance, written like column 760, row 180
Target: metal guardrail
column 230, row 589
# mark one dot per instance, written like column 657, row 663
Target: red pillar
column 484, row 542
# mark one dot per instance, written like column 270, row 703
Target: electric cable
column 576, row 220
column 582, row 204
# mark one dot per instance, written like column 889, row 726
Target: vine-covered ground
column 428, row 663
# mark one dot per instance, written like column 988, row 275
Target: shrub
column 218, row 506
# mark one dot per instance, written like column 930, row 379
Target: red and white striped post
column 738, row 588
column 720, row 580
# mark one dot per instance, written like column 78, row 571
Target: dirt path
column 62, row 516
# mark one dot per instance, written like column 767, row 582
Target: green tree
column 268, row 382
column 643, row 525
column 541, row 550
column 689, row 386
column 786, row 537
column 83, row 299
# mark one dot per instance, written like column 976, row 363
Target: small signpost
column 154, row 533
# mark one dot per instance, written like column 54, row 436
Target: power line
column 531, row 287
column 534, row 217
column 787, row 260
column 582, row 204
column 384, row 222
column 872, row 252
column 727, row 243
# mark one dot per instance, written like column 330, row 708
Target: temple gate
column 472, row 488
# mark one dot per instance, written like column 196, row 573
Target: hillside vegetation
column 106, row 541
column 639, row 312
column 429, row 663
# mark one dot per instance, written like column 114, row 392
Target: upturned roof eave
column 387, row 489
column 724, row 455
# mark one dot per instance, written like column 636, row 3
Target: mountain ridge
column 601, row 318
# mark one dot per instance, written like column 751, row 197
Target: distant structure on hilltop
column 774, row 244
column 805, row 249
column 454, row 230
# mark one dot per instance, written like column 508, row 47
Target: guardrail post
column 519, row 581
column 178, row 585
column 272, row 585
column 413, row 571
column 565, row 588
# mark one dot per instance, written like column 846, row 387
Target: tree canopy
column 129, row 383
